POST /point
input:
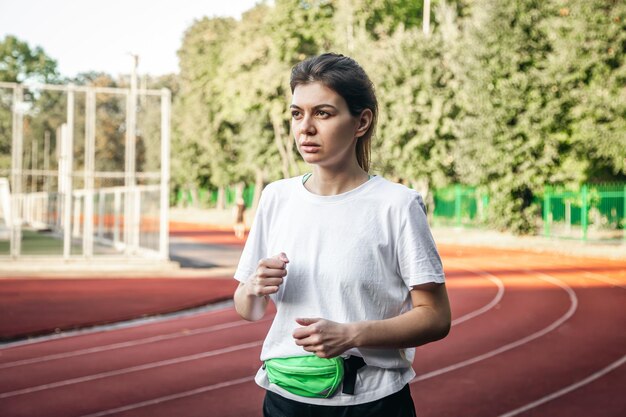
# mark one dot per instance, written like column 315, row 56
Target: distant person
column 240, row 224
column 347, row 258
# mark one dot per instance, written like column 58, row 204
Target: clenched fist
column 268, row 276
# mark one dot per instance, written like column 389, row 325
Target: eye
column 322, row 114
column 295, row 114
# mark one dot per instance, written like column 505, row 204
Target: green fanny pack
column 312, row 376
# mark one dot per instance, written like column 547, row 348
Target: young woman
column 347, row 258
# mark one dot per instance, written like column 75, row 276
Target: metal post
column 46, row 177
column 568, row 217
column 624, row 215
column 457, row 204
column 130, row 177
column 77, row 201
column 90, row 154
column 68, row 155
column 33, row 166
column 16, row 171
column 58, row 221
column 101, row 213
column 117, row 208
column 165, row 174
column 46, row 161
column 136, row 228
column 485, row 207
column 584, row 211
column 547, row 211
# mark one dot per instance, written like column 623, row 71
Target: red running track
column 34, row 306
column 533, row 335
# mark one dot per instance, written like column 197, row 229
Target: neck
column 326, row 181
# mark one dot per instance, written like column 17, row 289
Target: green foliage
column 194, row 140
column 535, row 110
column 590, row 48
column 504, row 95
column 20, row 62
column 417, row 109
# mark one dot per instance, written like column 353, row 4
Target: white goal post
column 129, row 216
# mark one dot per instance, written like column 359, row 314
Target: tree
column 416, row 91
column 513, row 139
column 589, row 61
column 18, row 63
column 200, row 157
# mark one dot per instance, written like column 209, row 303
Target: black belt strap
column 350, row 366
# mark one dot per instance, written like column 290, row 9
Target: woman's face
column 324, row 130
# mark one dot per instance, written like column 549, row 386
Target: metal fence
column 591, row 212
column 460, row 206
column 207, row 198
column 84, row 171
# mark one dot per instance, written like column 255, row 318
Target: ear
column 364, row 122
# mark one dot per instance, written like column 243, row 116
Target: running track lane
column 219, row 384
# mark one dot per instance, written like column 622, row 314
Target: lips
column 309, row 147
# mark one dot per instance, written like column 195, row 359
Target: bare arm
column 427, row 321
column 251, row 298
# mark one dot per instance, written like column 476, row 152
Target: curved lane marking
column 128, row 370
column 517, row 343
column 602, row 278
column 152, row 339
column 497, row 281
column 498, row 297
column 126, row 324
column 591, row 275
column 567, row 389
column 171, row 397
column 130, row 343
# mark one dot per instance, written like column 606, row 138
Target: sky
column 86, row 35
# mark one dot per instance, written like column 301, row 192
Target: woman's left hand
column 324, row 338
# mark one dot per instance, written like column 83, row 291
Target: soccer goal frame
column 86, row 217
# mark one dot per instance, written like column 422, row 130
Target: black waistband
column 350, row 367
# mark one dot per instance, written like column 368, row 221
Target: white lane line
column 128, row 370
column 517, row 343
column 498, row 282
column 567, row 389
column 141, row 321
column 591, row 275
column 172, row 397
column 603, row 278
column 130, row 343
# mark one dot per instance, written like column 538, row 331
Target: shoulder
column 281, row 185
column 398, row 194
column 280, row 188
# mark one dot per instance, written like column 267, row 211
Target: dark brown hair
column 346, row 77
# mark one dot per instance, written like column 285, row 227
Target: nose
column 306, row 126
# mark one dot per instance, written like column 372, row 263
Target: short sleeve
column 418, row 258
column 256, row 246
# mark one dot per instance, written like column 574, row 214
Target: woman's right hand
column 268, row 276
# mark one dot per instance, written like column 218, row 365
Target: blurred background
column 504, row 114
column 134, row 133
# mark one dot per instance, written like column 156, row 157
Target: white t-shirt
column 352, row 257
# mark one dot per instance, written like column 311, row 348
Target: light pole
column 131, row 239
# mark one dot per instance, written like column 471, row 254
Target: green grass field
column 37, row 243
